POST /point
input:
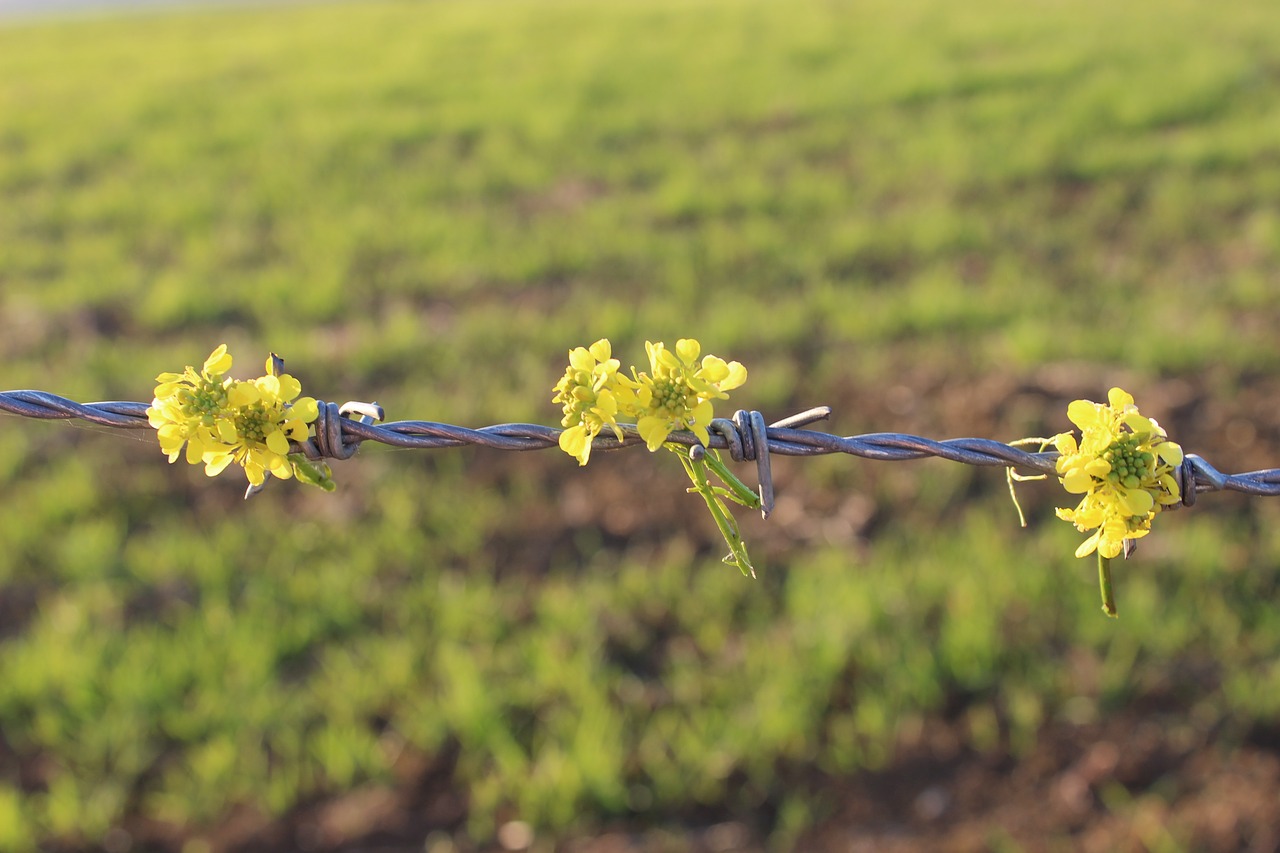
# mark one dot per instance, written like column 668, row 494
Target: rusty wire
column 340, row 430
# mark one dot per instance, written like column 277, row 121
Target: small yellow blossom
column 1123, row 466
column 589, row 392
column 265, row 418
column 188, row 406
column 223, row 420
column 678, row 390
column 676, row 393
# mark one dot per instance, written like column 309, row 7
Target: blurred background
column 940, row 219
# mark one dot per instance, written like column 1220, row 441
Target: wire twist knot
column 747, row 439
column 331, row 441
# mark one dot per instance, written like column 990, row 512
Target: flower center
column 670, row 395
column 203, row 401
column 1129, row 463
column 251, row 423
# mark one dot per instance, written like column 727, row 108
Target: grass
column 923, row 216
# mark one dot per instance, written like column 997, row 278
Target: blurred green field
column 935, row 218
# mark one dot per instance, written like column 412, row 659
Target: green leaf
column 312, row 473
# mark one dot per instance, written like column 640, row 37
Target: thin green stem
column 697, row 471
column 741, row 492
column 1104, row 582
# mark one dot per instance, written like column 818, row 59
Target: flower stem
column 741, row 492
column 697, row 471
column 1104, row 582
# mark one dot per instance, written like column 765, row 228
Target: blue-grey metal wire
column 745, row 438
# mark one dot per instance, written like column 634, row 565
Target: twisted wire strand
column 745, row 437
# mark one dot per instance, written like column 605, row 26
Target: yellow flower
column 1123, row 466
column 223, row 420
column 264, row 418
column 589, row 392
column 678, row 390
column 189, row 405
column 675, row 394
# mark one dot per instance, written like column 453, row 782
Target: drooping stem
column 696, row 468
column 741, row 492
column 1013, row 476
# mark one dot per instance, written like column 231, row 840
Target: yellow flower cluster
column 1123, row 466
column 587, row 391
column 221, row 420
column 676, row 393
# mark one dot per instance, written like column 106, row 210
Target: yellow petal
column 703, row 388
column 1099, row 468
column 1077, row 482
column 269, row 386
column 1088, row 546
column 1140, row 424
column 219, row 361
column 601, row 350
column 254, row 473
column 1119, row 398
column 305, row 409
column 214, row 463
column 1170, row 452
column 280, row 468
column 606, row 405
column 653, row 430
column 688, row 349
column 1088, row 514
column 289, row 387
column 1136, row 501
column 242, row 394
column 737, row 375
column 667, row 362
column 580, row 359
column 701, row 417
column 168, row 389
column 172, row 437
column 277, row 443
column 605, row 374
column 1084, row 413
column 1109, row 548
column 713, row 369
column 577, row 443
column 571, row 439
column 628, row 404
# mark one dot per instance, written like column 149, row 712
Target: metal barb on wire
column 328, row 442
column 745, row 437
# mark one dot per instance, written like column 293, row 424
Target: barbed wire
column 746, row 437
